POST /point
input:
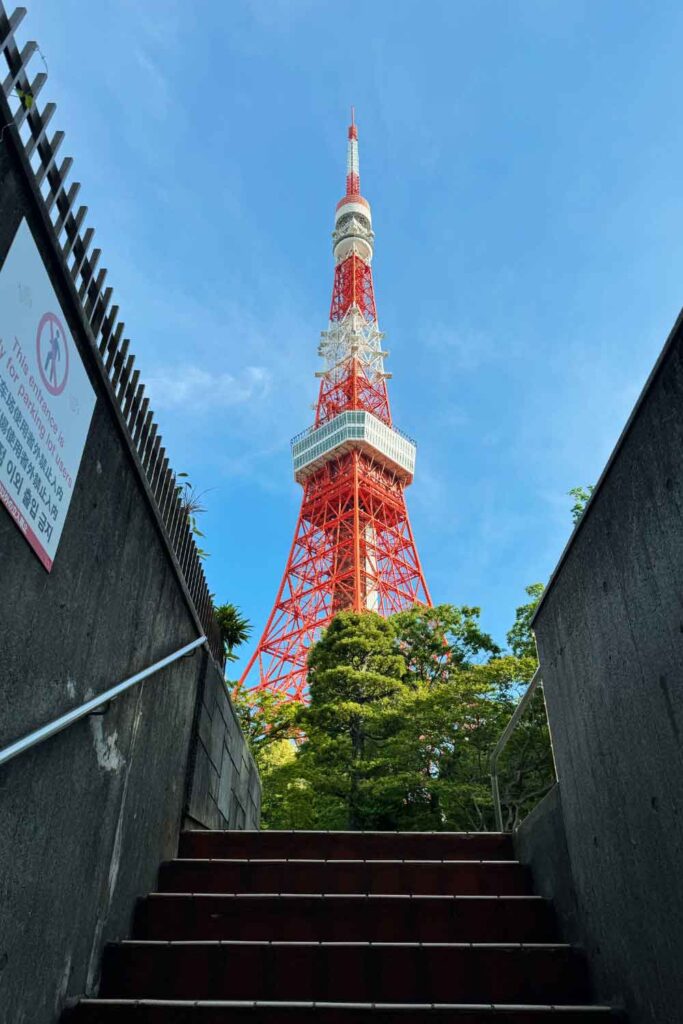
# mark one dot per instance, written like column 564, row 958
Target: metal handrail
column 502, row 743
column 58, row 724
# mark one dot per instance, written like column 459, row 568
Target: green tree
column 403, row 716
column 266, row 720
column 581, row 496
column 520, row 637
column 526, row 766
column 435, row 642
column 235, row 628
column 357, row 691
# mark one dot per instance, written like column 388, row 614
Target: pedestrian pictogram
column 46, row 400
column 53, row 353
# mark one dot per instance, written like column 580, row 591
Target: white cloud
column 196, row 390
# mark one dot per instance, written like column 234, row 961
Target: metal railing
column 64, row 721
column 313, row 428
column 24, row 121
column 502, row 743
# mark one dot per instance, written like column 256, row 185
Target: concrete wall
column 610, row 639
column 541, row 842
column 224, row 787
column 86, row 818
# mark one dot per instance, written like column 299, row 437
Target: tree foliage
column 235, row 628
column 520, row 637
column 434, row 641
column 403, row 715
column 581, row 496
column 265, row 719
column 357, row 691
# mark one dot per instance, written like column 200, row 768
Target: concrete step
column 353, row 972
column 429, row 878
column 114, row 1011
column 346, row 918
column 352, row 845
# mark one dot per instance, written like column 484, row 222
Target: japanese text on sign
column 46, row 400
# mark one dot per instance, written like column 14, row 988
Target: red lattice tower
column 353, row 546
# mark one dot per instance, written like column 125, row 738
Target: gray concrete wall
column 86, row 818
column 224, row 786
column 540, row 842
column 610, row 640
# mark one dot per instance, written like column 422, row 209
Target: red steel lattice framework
column 353, row 547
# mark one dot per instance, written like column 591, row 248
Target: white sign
column 46, row 400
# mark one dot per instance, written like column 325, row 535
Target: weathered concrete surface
column 610, row 639
column 86, row 817
column 224, row 789
column 540, row 842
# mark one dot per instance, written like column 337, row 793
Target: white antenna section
column 353, row 336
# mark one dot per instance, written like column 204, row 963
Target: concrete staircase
column 343, row 928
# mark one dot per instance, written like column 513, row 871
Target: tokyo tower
column 353, row 547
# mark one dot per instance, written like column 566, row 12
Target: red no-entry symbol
column 53, row 353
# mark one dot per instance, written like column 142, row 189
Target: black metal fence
column 27, row 128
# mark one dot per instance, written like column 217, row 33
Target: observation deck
column 354, row 428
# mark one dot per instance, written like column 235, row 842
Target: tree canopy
column 403, row 715
column 402, row 718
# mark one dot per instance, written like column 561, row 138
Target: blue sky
column 523, row 161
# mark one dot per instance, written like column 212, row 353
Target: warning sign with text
column 46, row 400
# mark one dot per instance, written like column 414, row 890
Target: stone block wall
column 225, row 790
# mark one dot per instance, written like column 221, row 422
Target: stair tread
column 261, row 1011
column 276, row 875
column 333, row 832
column 346, row 896
column 239, row 1003
column 342, row 917
column 345, row 861
column 342, row 845
column 333, row 942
